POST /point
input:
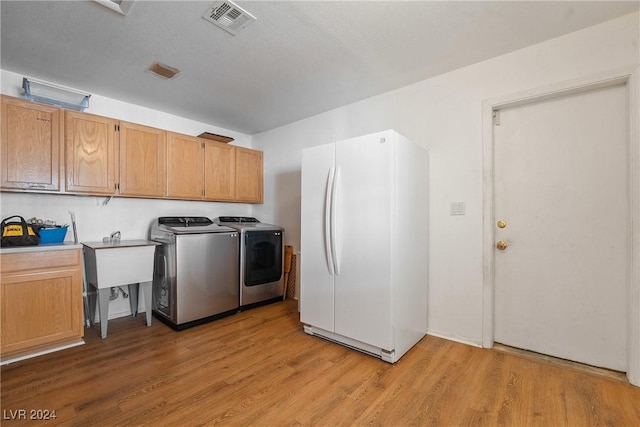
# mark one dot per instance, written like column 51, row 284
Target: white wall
column 444, row 114
column 132, row 217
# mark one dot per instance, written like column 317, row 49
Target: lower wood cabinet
column 41, row 301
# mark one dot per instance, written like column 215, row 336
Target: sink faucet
column 115, row 236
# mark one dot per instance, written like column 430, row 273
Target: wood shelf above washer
column 215, row 137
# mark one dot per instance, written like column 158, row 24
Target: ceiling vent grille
column 228, row 16
column 163, row 71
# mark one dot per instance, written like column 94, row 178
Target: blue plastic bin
column 53, row 235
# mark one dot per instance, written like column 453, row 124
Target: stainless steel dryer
column 196, row 271
column 261, row 260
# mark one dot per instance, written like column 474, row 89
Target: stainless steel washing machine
column 196, row 271
column 261, row 260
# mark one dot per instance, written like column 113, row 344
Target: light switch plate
column 457, row 208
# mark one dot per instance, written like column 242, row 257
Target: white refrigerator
column 364, row 243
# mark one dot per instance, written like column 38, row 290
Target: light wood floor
column 259, row 368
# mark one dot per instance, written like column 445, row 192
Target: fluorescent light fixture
column 120, row 6
column 48, row 93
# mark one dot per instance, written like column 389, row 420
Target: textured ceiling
column 297, row 60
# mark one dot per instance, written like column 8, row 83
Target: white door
column 561, row 186
column 364, row 184
column 316, row 273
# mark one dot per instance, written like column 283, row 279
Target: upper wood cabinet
column 143, row 160
column 30, row 146
column 185, row 166
column 249, row 185
column 199, row 169
column 91, row 152
column 43, row 146
column 219, row 171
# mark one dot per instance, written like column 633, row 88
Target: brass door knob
column 502, row 224
column 502, row 245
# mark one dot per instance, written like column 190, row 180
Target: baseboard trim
column 455, row 338
column 40, row 353
column 539, row 357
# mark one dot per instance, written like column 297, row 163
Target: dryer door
column 263, row 257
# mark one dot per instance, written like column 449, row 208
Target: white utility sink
column 125, row 262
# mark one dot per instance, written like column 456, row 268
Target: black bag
column 19, row 233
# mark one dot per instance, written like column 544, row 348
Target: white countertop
column 41, row 248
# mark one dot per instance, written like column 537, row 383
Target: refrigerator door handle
column 327, row 220
column 334, row 242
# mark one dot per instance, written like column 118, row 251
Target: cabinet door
column 142, row 160
column 219, row 171
column 40, row 301
column 30, row 145
column 185, row 165
column 248, row 175
column 91, row 150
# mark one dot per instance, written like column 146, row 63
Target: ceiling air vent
column 228, row 16
column 163, row 71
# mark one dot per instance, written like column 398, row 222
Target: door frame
column 630, row 76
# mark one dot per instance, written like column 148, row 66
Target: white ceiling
column 297, row 60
